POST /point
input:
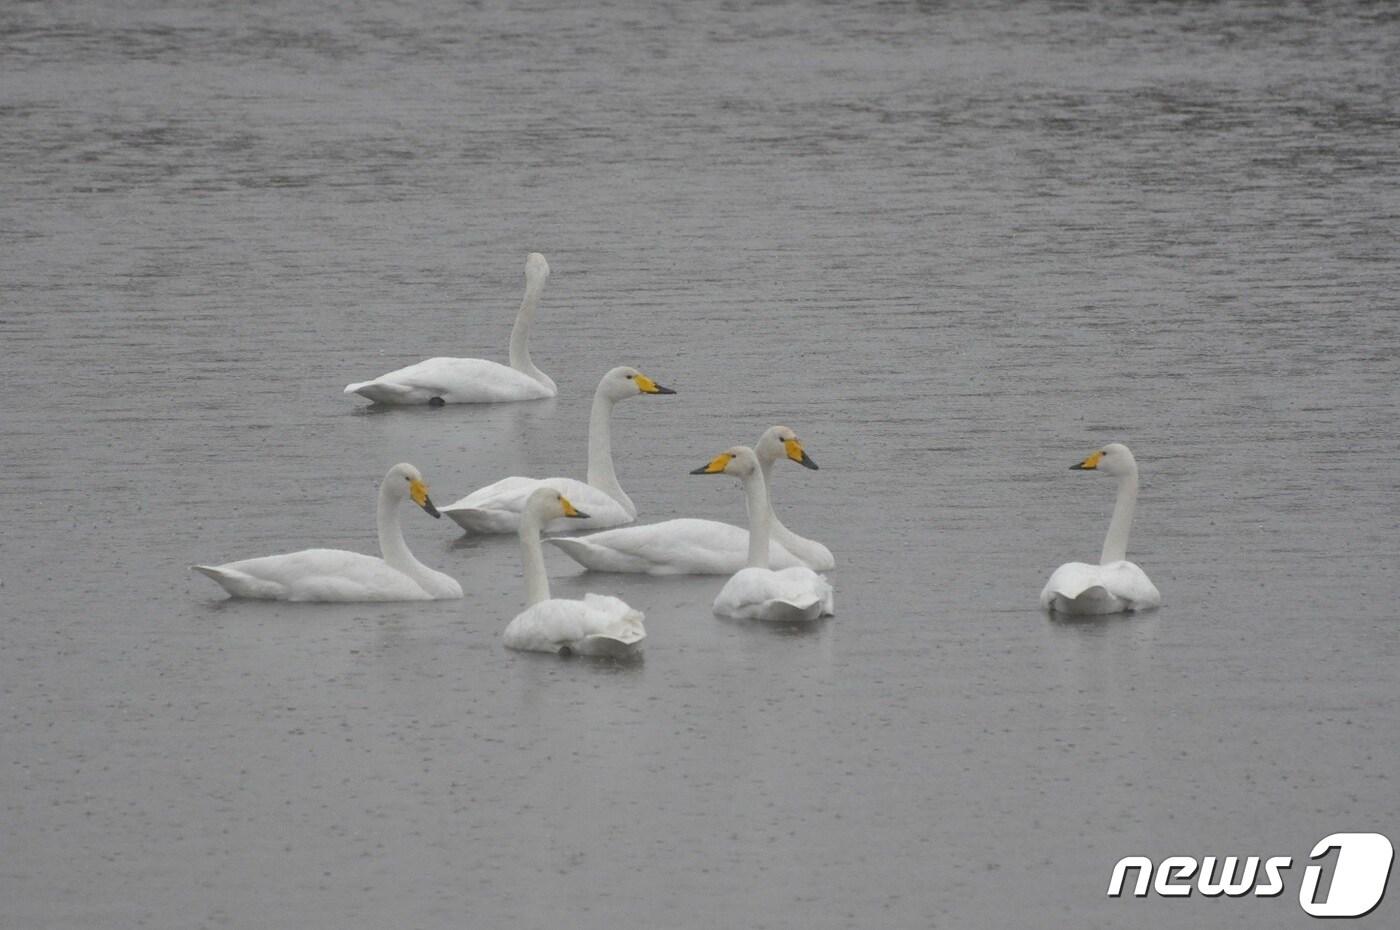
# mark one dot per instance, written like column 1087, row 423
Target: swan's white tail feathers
column 1095, row 599
column 380, row 392
column 237, row 583
column 798, row 609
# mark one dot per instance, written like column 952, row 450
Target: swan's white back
column 317, row 575
column 673, row 547
column 1083, row 589
column 790, row 595
column 598, row 625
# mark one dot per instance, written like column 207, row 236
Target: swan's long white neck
column 601, row 473
column 391, row 545
column 760, row 517
column 532, row 553
column 776, row 529
column 520, row 334
column 1115, row 544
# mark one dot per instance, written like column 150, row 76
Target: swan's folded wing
column 1082, row 588
column 335, row 575
column 497, row 507
column 559, row 623
column 672, row 547
column 454, row 380
column 761, row 594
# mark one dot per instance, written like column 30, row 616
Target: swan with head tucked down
column 1114, row 585
column 338, row 575
column 757, row 592
column 473, row 380
column 702, row 547
column 497, row 507
column 595, row 626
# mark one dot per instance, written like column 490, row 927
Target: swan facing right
column 1115, row 585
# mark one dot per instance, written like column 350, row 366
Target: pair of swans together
column 595, row 625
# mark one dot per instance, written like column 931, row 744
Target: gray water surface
column 955, row 248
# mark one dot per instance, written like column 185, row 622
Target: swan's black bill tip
column 436, row 402
column 807, row 462
column 664, row 390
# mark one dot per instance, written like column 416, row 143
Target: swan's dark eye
column 630, row 377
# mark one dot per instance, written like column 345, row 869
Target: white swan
column 1115, row 584
column 338, row 575
column 702, row 547
column 757, row 592
column 594, row 626
column 473, row 380
column 497, row 507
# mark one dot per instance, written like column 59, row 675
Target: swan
column 1115, row 584
column 595, row 626
column 702, row 547
column 496, row 508
column 473, row 380
column 338, row 575
column 757, row 592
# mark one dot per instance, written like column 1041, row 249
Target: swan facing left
column 595, row 626
column 342, row 576
column 1115, row 585
column 473, row 380
column 756, row 592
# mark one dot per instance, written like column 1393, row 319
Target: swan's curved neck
column 760, row 517
column 520, row 334
column 391, row 545
column 532, row 553
column 1115, row 544
column 601, row 473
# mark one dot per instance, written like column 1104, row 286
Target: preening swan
column 338, row 575
column 757, row 592
column 702, row 547
column 1115, row 584
column 594, row 626
column 497, row 507
column 473, row 380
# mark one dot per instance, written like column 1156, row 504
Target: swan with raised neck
column 497, row 507
column 1115, row 584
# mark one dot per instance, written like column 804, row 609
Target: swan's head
column 739, row 461
column 623, row 382
column 536, row 268
column 548, row 504
column 1113, row 459
column 403, row 480
column 780, row 442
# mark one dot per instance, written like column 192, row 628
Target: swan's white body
column 597, row 625
column 1081, row 588
column 338, row 575
column 685, row 546
column 757, row 592
column 1115, row 585
column 473, row 380
column 690, row 546
column 497, row 507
